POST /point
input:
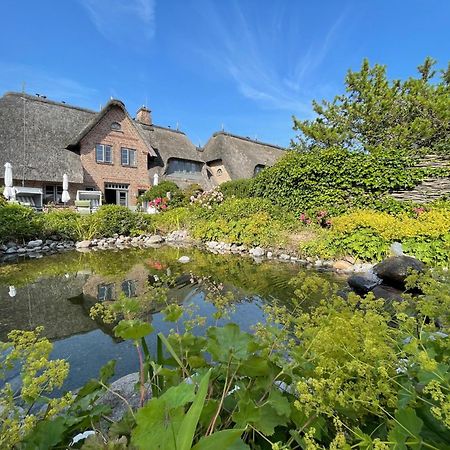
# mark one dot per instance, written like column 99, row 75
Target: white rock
column 36, row 243
column 83, row 244
column 155, row 239
column 184, row 259
column 257, row 251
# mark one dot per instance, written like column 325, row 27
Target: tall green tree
column 411, row 116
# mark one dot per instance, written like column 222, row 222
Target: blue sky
column 244, row 65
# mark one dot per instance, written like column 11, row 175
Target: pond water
column 58, row 291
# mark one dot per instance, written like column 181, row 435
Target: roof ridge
column 48, row 101
column 160, row 127
column 245, row 138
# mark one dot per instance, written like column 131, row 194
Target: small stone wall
column 431, row 188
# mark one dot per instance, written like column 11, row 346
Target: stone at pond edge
column 83, row 244
column 33, row 244
column 125, row 387
column 387, row 293
column 155, row 239
column 257, row 252
column 363, row 283
column 342, row 265
column 394, row 270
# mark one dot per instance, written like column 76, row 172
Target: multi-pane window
column 105, row 292
column 53, row 194
column 129, row 288
column 127, row 157
column 183, row 166
column 103, row 153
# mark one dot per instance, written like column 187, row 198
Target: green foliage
column 115, row 219
column 339, row 373
column 363, row 144
column 18, row 223
column 62, row 223
column 161, row 190
column 33, row 418
column 171, row 220
column 250, row 221
column 192, row 190
column 411, row 115
column 368, row 235
column 237, row 188
column 334, row 179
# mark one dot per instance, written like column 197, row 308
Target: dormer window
column 258, row 169
column 115, row 126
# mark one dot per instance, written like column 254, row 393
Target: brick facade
column 98, row 174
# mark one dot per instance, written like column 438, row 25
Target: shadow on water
column 58, row 291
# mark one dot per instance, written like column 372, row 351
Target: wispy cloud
column 54, row 86
column 267, row 57
column 123, row 22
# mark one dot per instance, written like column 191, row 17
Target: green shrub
column 115, row 219
column 161, row 190
column 192, row 190
column 171, row 220
column 18, row 223
column 237, row 188
column 334, row 179
column 64, row 223
column 369, row 234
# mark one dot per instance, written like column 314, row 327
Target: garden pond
column 58, row 291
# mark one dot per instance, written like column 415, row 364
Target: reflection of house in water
column 104, row 288
column 44, row 302
column 62, row 304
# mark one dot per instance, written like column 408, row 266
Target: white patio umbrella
column 9, row 192
column 155, row 179
column 65, row 194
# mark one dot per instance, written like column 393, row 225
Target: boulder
column 155, row 239
column 36, row 243
column 11, row 250
column 83, row 244
column 363, row 283
column 257, row 252
column 342, row 265
column 394, row 270
column 388, row 293
column 184, row 259
column 126, row 388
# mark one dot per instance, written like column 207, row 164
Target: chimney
column 144, row 115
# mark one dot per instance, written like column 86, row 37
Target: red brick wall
column 97, row 174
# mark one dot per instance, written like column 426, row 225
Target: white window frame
column 103, row 148
column 128, row 151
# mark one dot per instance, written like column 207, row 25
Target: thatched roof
column 113, row 103
column 169, row 143
column 34, row 133
column 40, row 147
column 240, row 155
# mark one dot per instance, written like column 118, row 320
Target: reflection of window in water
column 129, row 288
column 105, row 292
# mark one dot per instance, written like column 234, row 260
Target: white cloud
column 123, row 22
column 266, row 56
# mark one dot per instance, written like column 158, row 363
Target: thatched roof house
column 234, row 157
column 112, row 152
